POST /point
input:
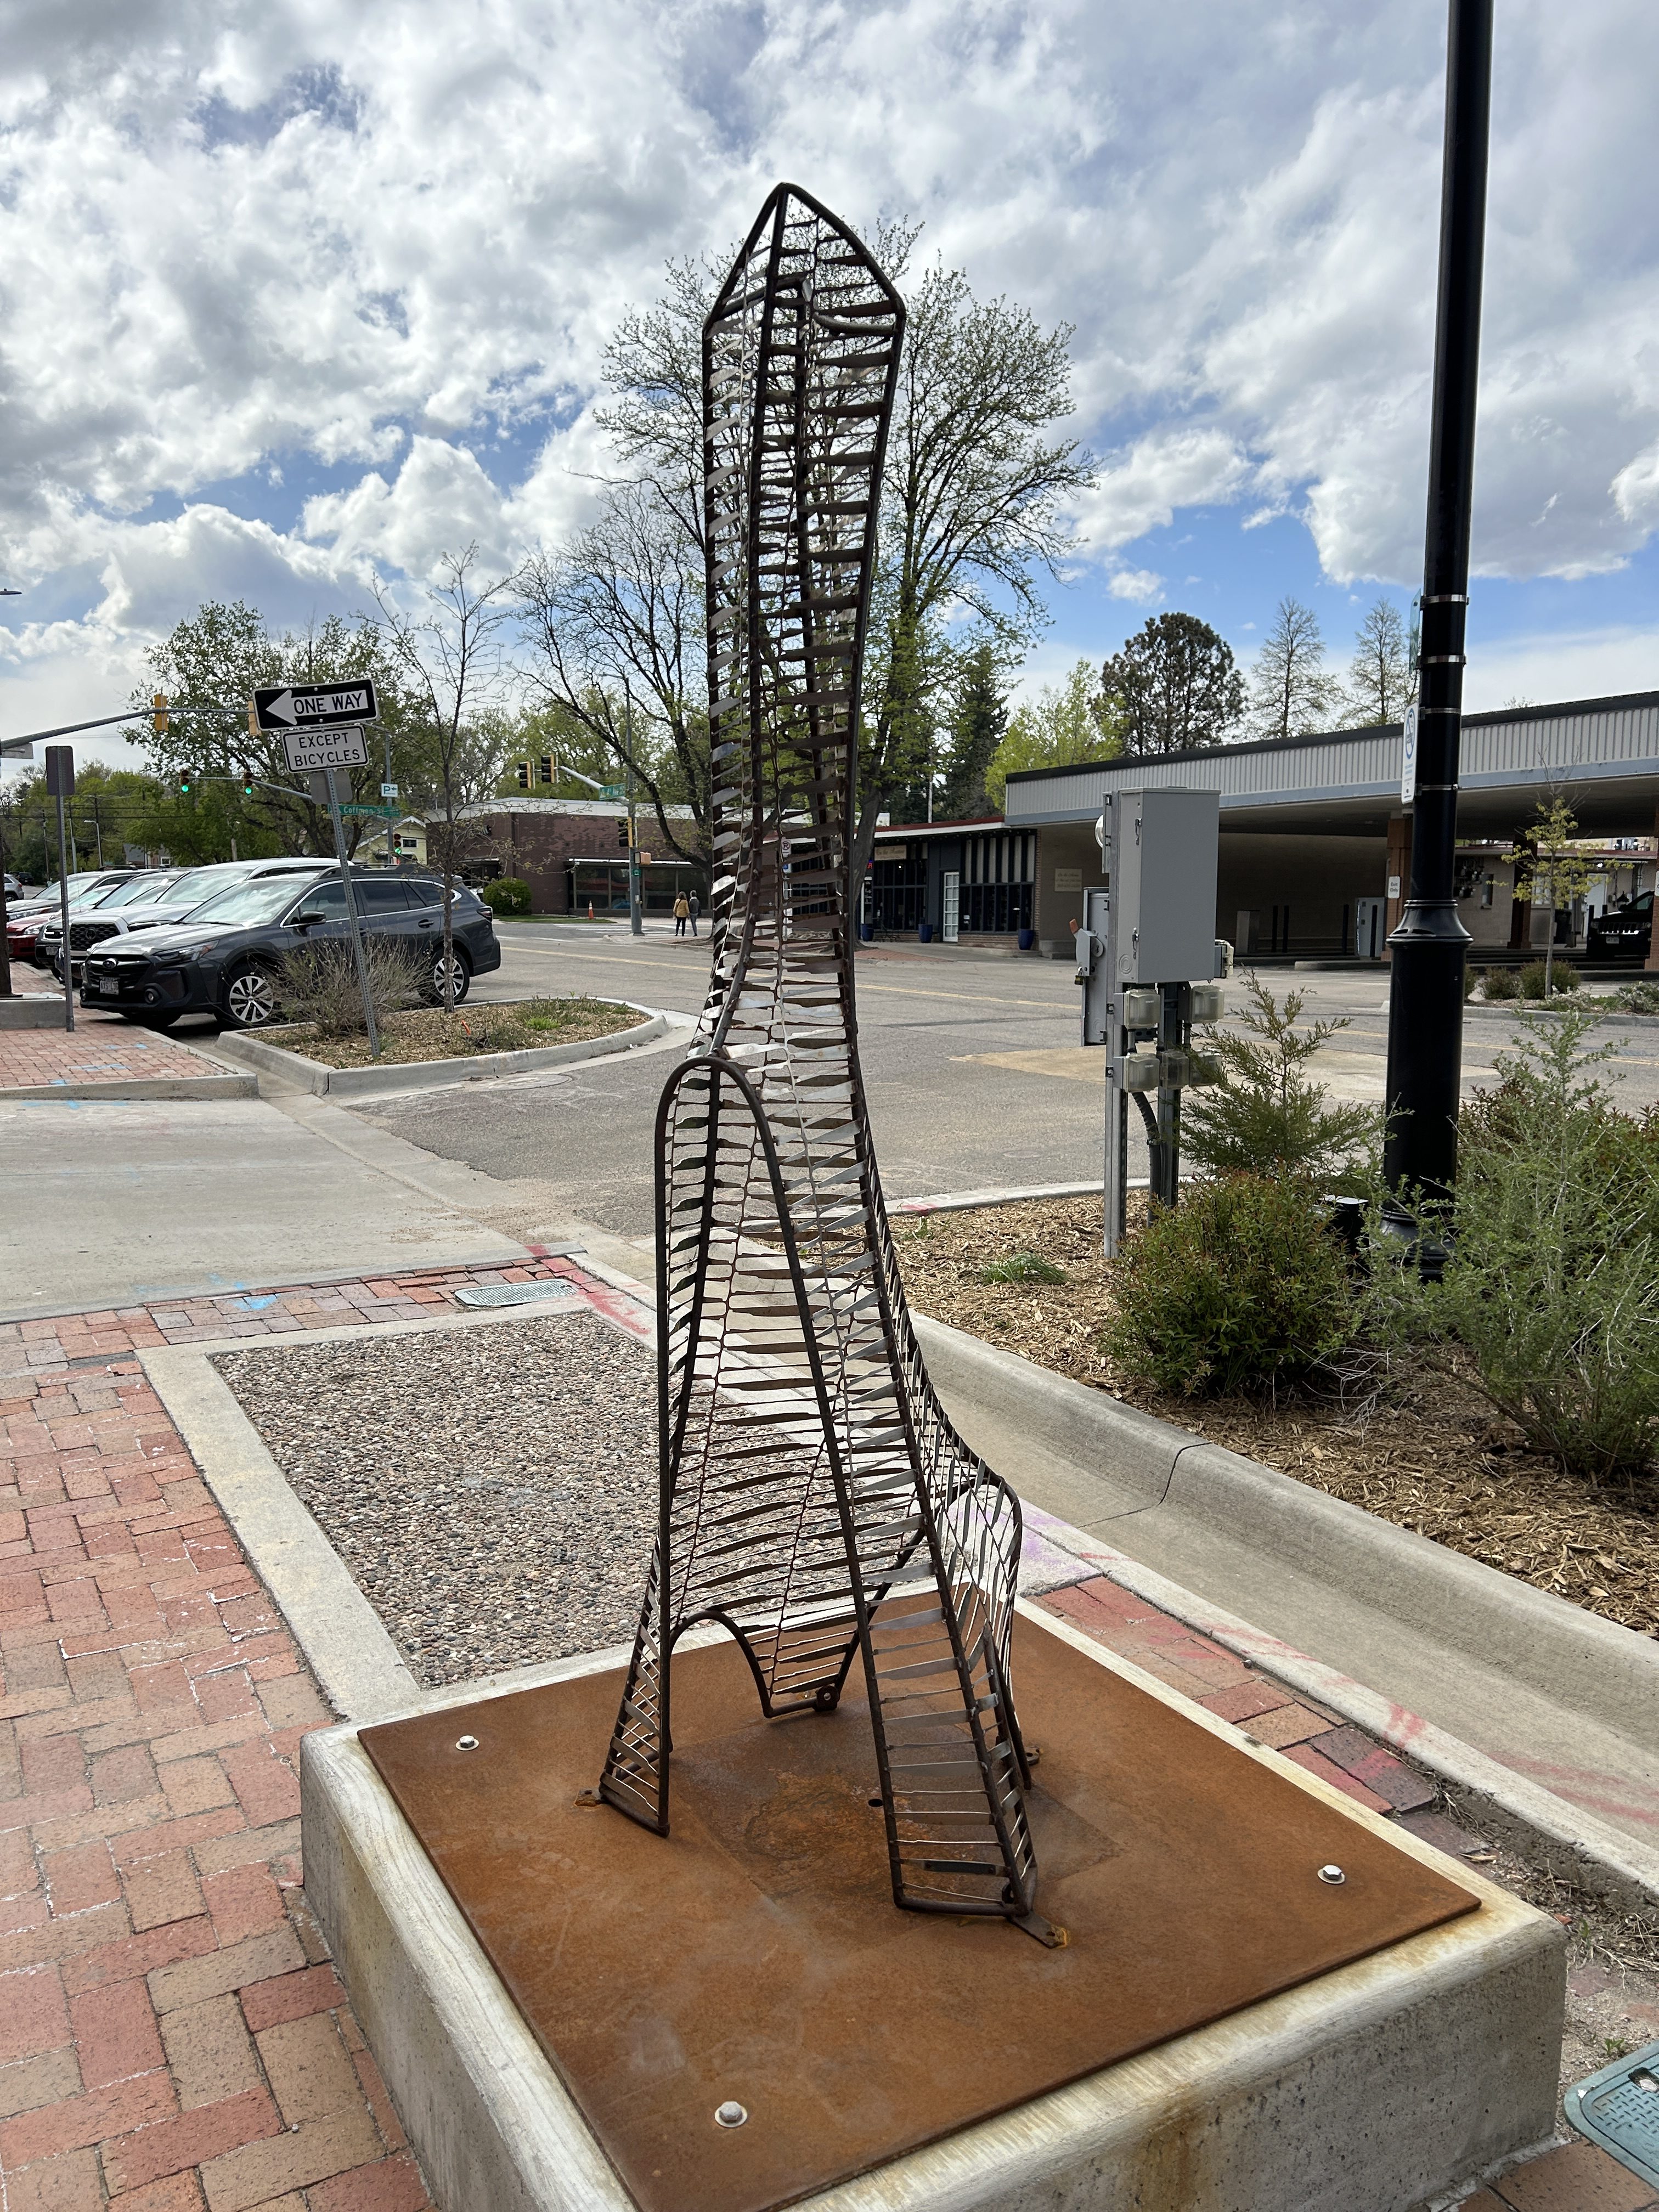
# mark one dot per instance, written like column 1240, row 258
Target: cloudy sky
column 298, row 291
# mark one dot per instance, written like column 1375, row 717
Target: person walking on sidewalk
column 681, row 913
column 696, row 910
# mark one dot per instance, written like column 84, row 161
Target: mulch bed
column 429, row 1033
column 1432, row 1456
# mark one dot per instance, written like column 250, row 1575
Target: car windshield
column 97, row 894
column 140, row 888
column 198, row 884
column 246, row 905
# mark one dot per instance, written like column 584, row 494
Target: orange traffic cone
column 590, row 910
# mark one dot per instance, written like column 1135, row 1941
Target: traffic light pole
column 1427, row 950
column 635, row 922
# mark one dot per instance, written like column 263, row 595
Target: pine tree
column 977, row 725
column 1173, row 687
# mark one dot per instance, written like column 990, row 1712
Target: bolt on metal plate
column 730, row 2114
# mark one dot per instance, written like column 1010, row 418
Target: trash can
column 1027, row 939
column 925, row 933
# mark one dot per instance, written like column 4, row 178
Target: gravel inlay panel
column 493, row 1491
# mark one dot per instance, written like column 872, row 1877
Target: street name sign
column 340, row 748
column 316, row 706
column 381, row 813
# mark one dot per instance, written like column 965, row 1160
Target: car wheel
column 461, row 972
column 249, row 998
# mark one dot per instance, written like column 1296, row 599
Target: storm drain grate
column 1618, row 2108
column 546, row 1292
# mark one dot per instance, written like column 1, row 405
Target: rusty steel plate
column 754, row 1955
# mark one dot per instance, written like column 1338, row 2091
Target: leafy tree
column 1262, row 1114
column 210, row 665
column 551, row 732
column 1380, row 678
column 1175, row 686
column 978, row 723
column 1061, row 725
column 1291, row 693
column 973, row 499
column 1549, row 859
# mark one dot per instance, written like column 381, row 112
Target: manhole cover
column 1618, row 2108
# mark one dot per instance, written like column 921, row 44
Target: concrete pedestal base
column 1378, row 2087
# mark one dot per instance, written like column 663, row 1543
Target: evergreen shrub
column 1242, row 1287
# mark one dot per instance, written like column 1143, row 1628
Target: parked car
column 25, row 922
column 226, row 959
column 151, row 902
column 1624, row 935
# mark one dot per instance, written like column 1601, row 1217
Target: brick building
column 574, row 852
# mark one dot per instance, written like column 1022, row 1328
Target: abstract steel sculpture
column 815, row 1501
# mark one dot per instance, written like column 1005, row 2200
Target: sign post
column 326, row 787
column 60, row 786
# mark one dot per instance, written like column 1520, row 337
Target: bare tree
column 1291, row 693
column 1380, row 678
column 452, row 659
column 616, row 620
column 973, row 514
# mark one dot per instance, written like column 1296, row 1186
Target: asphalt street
column 971, row 1063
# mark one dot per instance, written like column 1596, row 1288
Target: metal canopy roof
column 1601, row 756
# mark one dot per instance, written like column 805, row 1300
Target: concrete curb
column 31, row 1009
column 137, row 1086
column 1135, row 1468
column 336, row 1627
column 293, row 1067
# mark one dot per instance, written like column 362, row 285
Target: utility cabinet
column 1162, row 858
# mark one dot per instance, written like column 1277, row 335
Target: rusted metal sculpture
column 816, row 1502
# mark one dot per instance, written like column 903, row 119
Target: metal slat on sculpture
column 815, row 1500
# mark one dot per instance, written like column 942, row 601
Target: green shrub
column 1242, row 1287
column 1636, row 999
column 1552, row 1281
column 506, row 895
column 1500, row 983
column 1263, row 1114
column 1022, row 1268
column 1471, row 977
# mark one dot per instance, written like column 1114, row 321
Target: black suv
column 1624, row 934
column 226, row 959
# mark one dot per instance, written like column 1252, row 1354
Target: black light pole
column 1425, row 1000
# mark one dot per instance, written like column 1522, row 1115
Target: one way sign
column 316, row 706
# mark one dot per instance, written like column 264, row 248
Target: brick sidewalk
column 104, row 1052
column 172, row 2037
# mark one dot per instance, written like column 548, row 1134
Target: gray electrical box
column 1165, row 847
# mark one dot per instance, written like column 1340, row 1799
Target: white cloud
column 1138, row 586
column 1585, row 664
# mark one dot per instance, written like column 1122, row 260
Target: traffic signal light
column 188, row 783
column 521, row 770
column 247, row 789
column 545, row 768
column 159, row 714
column 622, row 833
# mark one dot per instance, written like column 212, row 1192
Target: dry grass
column 428, row 1033
column 1430, row 1456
